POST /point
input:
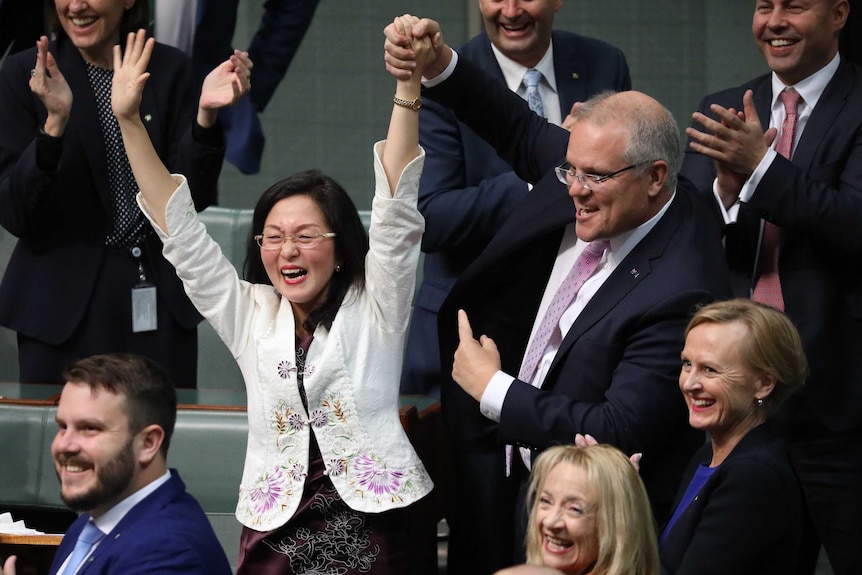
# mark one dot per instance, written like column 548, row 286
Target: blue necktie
column 531, row 80
column 89, row 536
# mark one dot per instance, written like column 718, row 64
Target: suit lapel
column 570, row 72
column 823, row 117
column 631, row 271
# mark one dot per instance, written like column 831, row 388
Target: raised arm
column 224, row 86
column 402, row 141
column 130, row 75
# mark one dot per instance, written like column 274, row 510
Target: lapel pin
column 635, row 273
column 148, row 117
column 575, row 76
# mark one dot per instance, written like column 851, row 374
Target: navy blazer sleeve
column 530, row 144
column 626, row 390
column 458, row 212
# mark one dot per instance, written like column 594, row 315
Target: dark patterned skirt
column 325, row 536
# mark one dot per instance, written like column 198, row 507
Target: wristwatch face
column 416, row 104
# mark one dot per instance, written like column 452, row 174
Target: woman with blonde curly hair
column 589, row 513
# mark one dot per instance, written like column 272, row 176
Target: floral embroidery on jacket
column 266, row 492
column 285, row 369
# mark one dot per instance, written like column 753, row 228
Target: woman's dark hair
column 340, row 214
column 135, row 18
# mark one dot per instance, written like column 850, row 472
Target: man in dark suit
column 115, row 419
column 467, row 191
column 612, row 369
column 814, row 197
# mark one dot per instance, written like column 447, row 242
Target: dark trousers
column 829, row 467
column 481, row 513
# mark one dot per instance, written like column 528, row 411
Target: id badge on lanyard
column 144, row 313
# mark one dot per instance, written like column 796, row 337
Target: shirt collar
column 513, row 72
column 624, row 243
column 112, row 517
column 811, row 88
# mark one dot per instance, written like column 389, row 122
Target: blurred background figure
column 739, row 508
column 589, row 513
column 205, row 30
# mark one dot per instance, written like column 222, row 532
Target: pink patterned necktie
column 767, row 288
column 549, row 329
column 550, row 326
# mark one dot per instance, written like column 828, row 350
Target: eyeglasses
column 306, row 239
column 592, row 182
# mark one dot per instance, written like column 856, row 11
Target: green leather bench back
column 208, row 450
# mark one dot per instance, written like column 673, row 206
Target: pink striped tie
column 550, row 326
column 767, row 288
column 549, row 329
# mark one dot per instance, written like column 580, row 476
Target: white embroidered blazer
column 352, row 371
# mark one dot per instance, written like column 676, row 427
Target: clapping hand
column 224, row 86
column 51, row 88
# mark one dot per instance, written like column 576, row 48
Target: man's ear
column 149, row 442
column 658, row 176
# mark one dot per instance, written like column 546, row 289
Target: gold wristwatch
column 413, row 104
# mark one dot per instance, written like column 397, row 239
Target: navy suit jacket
column 746, row 519
column 61, row 218
column 467, row 191
column 167, row 532
column 615, row 374
column 816, row 199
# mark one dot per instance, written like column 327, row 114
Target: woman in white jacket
column 317, row 329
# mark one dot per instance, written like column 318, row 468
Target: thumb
column 465, row 332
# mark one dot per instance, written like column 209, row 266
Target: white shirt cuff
column 492, row 400
column 757, row 175
column 430, row 83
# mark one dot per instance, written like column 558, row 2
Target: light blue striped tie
column 531, row 80
column 89, row 536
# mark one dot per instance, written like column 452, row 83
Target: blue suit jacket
column 615, row 374
column 816, row 199
column 467, row 191
column 746, row 519
column 167, row 532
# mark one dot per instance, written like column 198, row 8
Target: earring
column 759, row 402
column 337, row 268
